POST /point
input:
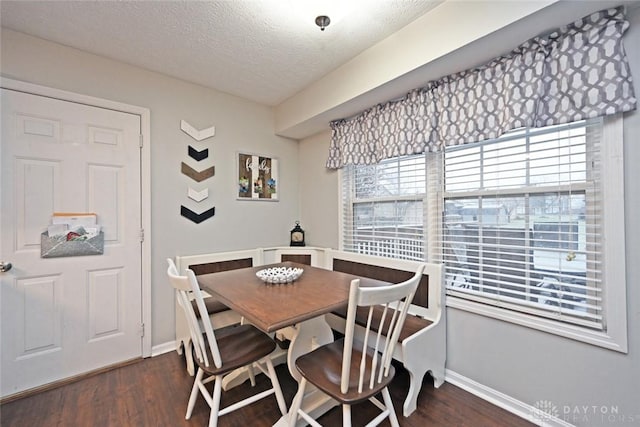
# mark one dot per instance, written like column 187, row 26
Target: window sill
column 598, row 338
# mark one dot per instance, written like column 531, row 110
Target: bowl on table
column 279, row 275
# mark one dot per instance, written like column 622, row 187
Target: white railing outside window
column 384, row 208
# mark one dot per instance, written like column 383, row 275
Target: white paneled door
column 65, row 316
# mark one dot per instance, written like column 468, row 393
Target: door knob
column 5, row 266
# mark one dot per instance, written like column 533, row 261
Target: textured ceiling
column 263, row 50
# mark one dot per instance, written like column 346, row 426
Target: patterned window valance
column 577, row 72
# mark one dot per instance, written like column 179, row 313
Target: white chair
column 219, row 313
column 351, row 371
column 220, row 352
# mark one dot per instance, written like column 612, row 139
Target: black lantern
column 297, row 235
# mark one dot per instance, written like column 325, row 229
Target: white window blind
column 530, row 226
column 383, row 208
column 522, row 223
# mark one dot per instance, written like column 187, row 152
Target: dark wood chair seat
column 412, row 324
column 323, row 368
column 239, row 345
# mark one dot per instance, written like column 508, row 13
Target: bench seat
column 412, row 324
column 213, row 306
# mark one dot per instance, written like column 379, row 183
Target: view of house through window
column 520, row 219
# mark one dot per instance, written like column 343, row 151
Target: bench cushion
column 412, row 324
column 213, row 306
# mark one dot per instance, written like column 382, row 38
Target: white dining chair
column 222, row 351
column 352, row 372
column 220, row 314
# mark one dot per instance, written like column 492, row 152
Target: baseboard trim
column 159, row 349
column 169, row 346
column 508, row 403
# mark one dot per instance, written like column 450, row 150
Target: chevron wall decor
column 197, row 217
column 196, row 134
column 195, row 175
column 198, row 196
column 198, row 154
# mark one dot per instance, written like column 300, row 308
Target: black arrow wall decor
column 198, row 155
column 197, row 218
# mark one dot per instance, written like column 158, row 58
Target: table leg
column 308, row 336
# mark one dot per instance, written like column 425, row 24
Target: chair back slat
column 186, row 288
column 206, row 321
column 384, row 368
column 377, row 351
column 194, row 327
column 182, row 288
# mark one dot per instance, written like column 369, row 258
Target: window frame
column 614, row 334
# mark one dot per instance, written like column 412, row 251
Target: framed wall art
column 257, row 177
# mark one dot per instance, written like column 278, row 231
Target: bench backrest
column 299, row 258
column 428, row 299
column 221, row 261
column 301, row 255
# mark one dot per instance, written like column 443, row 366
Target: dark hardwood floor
column 155, row 391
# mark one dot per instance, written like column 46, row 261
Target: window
column 518, row 222
column 384, row 208
column 529, row 225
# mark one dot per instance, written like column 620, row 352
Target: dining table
column 297, row 307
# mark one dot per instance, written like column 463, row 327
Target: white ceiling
column 262, row 50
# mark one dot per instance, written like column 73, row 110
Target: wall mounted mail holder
column 59, row 246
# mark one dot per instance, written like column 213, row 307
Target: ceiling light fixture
column 323, row 22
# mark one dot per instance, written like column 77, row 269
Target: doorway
column 69, row 315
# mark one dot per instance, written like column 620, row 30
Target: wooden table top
column 271, row 307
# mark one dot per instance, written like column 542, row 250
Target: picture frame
column 257, row 177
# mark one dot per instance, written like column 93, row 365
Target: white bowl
column 278, row 275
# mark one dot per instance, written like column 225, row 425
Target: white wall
column 522, row 363
column 240, row 125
